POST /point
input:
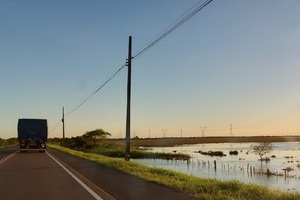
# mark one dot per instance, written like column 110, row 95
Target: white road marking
column 7, row 157
column 77, row 179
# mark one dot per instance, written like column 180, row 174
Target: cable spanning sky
column 232, row 68
column 179, row 22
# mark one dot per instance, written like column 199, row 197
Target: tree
column 79, row 142
column 262, row 148
column 94, row 137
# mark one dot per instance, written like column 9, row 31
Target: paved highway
column 60, row 176
column 4, row 152
column 35, row 175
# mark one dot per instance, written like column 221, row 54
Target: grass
column 134, row 153
column 202, row 188
column 8, row 142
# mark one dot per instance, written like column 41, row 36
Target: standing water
column 284, row 163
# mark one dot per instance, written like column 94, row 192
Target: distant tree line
column 8, row 142
column 89, row 140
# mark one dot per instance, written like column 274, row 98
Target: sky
column 235, row 63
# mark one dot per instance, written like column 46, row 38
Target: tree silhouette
column 93, row 138
column 262, row 148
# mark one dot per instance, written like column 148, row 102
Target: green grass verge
column 136, row 154
column 202, row 188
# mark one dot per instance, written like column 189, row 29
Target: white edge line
column 6, row 158
column 77, row 179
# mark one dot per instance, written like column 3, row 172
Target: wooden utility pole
column 127, row 145
column 63, row 123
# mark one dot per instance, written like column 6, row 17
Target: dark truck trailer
column 32, row 134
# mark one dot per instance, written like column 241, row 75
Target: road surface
column 59, row 176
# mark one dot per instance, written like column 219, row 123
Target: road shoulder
column 118, row 185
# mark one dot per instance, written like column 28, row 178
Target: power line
column 97, row 90
column 58, row 123
column 171, row 28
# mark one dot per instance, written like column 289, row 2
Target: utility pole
column 231, row 130
column 63, row 123
column 127, row 145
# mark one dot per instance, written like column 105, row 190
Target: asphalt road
column 60, row 176
column 7, row 151
column 35, row 175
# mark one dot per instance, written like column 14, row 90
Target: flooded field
column 284, row 163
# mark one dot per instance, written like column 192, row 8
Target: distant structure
column 202, row 128
column 134, row 133
column 164, row 132
column 231, row 135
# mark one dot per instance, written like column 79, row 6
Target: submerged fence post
column 215, row 163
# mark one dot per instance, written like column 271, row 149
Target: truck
column 32, row 134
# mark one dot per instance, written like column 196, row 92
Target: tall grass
column 135, row 153
column 203, row 188
column 8, row 142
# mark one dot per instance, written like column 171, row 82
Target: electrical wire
column 167, row 28
column 171, row 28
column 97, row 90
column 55, row 127
column 185, row 17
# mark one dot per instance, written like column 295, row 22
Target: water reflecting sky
column 244, row 166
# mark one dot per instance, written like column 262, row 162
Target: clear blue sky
column 235, row 62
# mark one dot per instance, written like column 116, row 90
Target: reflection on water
column 244, row 166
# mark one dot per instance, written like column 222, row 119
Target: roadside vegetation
column 202, row 188
column 136, row 154
column 95, row 146
column 96, row 142
column 8, row 142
